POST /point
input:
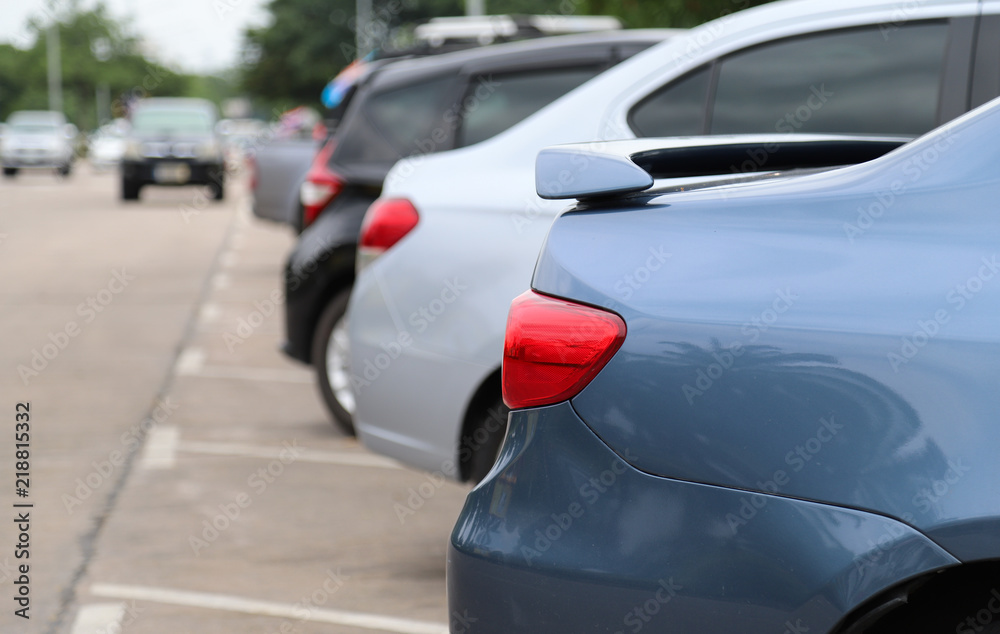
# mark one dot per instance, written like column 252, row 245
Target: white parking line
column 244, row 212
column 209, row 313
column 99, row 618
column 190, row 361
column 230, row 603
column 160, row 451
column 254, row 374
column 305, row 455
column 221, row 280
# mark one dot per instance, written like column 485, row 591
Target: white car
column 455, row 235
column 106, row 146
column 37, row 139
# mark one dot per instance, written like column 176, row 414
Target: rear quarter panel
column 832, row 339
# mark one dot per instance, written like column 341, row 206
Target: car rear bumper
column 30, row 159
column 320, row 265
column 195, row 172
column 564, row 535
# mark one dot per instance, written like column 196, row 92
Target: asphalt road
column 182, row 474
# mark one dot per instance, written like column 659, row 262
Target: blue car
column 771, row 406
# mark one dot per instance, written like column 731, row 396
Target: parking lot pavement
column 244, row 509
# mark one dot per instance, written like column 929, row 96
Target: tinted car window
column 871, row 80
column 496, row 102
column 179, row 120
column 396, row 123
column 678, row 109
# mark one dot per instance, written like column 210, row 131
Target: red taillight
column 385, row 224
column 554, row 348
column 320, row 186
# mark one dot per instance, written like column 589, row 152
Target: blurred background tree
column 307, row 42
column 284, row 64
column 102, row 67
column 665, row 13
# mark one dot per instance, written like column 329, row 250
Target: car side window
column 396, row 123
column 882, row 80
column 497, row 101
column 678, row 109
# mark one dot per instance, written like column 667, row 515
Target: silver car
column 37, row 139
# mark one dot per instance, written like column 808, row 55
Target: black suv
column 172, row 142
column 408, row 107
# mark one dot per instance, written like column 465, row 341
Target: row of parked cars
column 743, row 382
column 164, row 141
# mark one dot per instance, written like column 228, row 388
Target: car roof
column 176, row 102
column 521, row 49
column 620, row 87
column 48, row 116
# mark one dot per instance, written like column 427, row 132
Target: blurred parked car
column 414, row 107
column 240, row 137
column 172, row 141
column 788, row 426
column 279, row 160
column 453, row 239
column 106, row 146
column 279, row 164
column 241, row 134
column 38, row 139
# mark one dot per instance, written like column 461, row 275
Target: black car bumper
column 320, row 265
column 173, row 171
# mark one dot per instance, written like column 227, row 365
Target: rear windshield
column 164, row 120
column 395, row 123
column 34, row 123
column 34, row 128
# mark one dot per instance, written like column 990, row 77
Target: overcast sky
column 190, row 35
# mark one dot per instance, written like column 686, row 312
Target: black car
column 411, row 107
column 172, row 142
